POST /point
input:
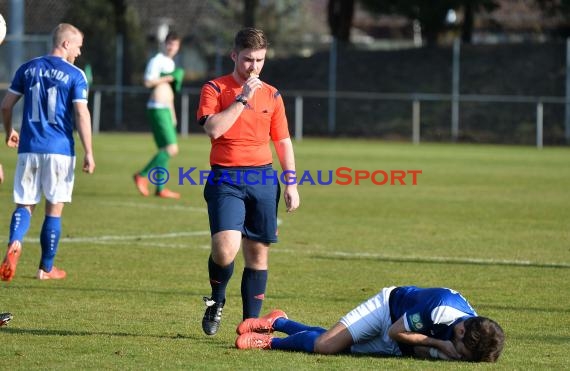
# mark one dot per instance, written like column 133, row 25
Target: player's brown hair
column 484, row 338
column 250, row 38
column 172, row 35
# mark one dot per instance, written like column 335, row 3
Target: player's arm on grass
column 284, row 150
column 8, row 103
column 400, row 334
column 83, row 124
column 427, row 352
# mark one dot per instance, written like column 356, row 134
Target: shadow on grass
column 518, row 308
column 46, row 332
column 142, row 291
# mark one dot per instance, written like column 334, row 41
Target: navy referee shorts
column 244, row 199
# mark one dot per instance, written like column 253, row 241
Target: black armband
column 202, row 120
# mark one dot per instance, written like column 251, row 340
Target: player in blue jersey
column 55, row 103
column 399, row 321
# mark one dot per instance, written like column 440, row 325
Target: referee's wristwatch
column 242, row 99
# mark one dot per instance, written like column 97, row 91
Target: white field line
column 118, row 239
column 146, row 240
column 442, row 259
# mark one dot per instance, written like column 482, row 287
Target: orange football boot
column 8, row 267
column 54, row 274
column 167, row 193
column 141, row 183
column 263, row 324
column 253, row 340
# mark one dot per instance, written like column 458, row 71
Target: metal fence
column 123, row 110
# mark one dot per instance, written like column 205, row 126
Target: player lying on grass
column 399, row 321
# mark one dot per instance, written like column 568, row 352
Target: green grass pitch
column 489, row 221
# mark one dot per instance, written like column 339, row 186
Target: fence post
column 455, row 91
column 298, row 118
column 96, row 111
column 416, row 121
column 567, row 113
column 539, row 124
column 184, row 115
column 119, row 59
column 333, row 55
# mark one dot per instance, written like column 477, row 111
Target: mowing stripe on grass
column 163, row 207
column 142, row 205
column 134, row 237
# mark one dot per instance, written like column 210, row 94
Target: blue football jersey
column 430, row 311
column 50, row 85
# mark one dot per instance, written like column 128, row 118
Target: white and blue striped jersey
column 50, row 85
column 430, row 311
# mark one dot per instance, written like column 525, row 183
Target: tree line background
column 285, row 21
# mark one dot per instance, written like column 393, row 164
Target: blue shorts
column 244, row 199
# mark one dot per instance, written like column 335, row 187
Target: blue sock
column 49, row 240
column 20, row 224
column 290, row 327
column 302, row 341
column 219, row 278
column 253, row 284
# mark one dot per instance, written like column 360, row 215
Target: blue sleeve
column 438, row 310
column 80, row 89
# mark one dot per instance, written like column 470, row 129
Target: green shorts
column 163, row 128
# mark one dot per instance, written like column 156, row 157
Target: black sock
column 219, row 278
column 253, row 284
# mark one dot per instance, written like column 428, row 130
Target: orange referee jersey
column 246, row 143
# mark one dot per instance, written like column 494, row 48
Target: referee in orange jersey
column 241, row 114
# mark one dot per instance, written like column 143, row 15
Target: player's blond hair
column 63, row 32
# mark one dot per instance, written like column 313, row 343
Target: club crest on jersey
column 417, row 321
